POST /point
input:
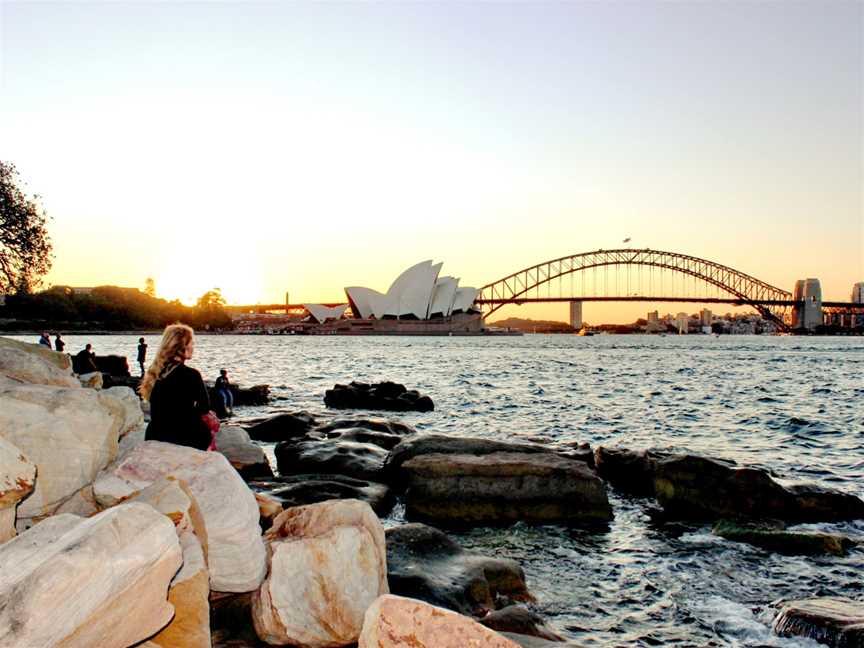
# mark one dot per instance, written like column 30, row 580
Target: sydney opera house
column 419, row 301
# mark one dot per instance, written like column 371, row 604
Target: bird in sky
column 627, row 240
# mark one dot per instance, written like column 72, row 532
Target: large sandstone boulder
column 837, row 622
column 247, row 458
column 17, row 476
column 80, row 583
column 327, row 565
column 35, row 364
column 396, row 622
column 695, row 487
column 92, row 380
column 69, row 433
column 425, row 564
column 234, row 547
column 299, row 490
column 503, row 488
column 133, row 415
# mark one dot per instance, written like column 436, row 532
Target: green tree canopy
column 25, row 248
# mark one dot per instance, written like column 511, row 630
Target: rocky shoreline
column 201, row 549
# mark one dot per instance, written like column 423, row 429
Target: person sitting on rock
column 223, row 388
column 44, row 340
column 179, row 404
column 85, row 360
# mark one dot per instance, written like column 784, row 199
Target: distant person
column 59, row 344
column 142, row 354
column 179, row 404
column 85, row 360
column 223, row 388
column 44, row 340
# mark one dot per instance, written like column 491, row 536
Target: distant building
column 576, row 314
column 705, row 317
column 682, row 321
column 654, row 324
column 858, row 293
column 809, row 315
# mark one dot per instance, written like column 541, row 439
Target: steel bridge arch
column 741, row 287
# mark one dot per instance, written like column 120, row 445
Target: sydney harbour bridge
column 645, row 275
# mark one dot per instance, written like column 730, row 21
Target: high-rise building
column 705, row 317
column 809, row 314
column 576, row 314
column 682, row 321
column 858, row 293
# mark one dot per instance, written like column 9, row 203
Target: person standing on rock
column 179, row 404
column 59, row 344
column 142, row 354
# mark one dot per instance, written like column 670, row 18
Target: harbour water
column 793, row 405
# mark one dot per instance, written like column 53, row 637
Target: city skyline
column 307, row 147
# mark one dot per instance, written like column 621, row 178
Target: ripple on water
column 771, row 403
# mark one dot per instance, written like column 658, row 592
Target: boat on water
column 583, row 332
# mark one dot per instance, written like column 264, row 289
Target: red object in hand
column 212, row 422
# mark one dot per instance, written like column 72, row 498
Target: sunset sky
column 304, row 147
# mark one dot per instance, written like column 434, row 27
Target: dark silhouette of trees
column 25, row 248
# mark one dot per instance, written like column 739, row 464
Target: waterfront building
column 858, row 293
column 576, row 314
column 705, row 317
column 809, row 315
column 682, row 322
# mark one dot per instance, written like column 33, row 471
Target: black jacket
column 177, row 401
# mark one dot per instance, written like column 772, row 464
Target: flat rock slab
column 299, row 490
column 80, row 583
column 234, row 548
column 836, row 622
column 779, row 540
column 281, row 427
column 503, row 488
column 425, row 564
column 375, row 424
column 396, row 622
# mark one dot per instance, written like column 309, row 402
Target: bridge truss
column 711, row 282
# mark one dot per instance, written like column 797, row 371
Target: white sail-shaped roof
column 321, row 313
column 442, row 298
column 464, row 299
column 411, row 293
column 361, row 300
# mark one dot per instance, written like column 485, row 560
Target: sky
column 301, row 147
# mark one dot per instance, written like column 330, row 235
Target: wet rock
column 774, row 537
column 359, row 460
column 35, row 364
column 425, row 564
column 384, row 440
column 380, row 396
column 629, row 471
column 113, row 365
column 503, row 488
column 132, row 382
column 375, row 424
column 247, row 458
column 836, row 622
column 327, row 566
column 519, row 620
column 234, row 547
column 527, row 641
column 299, row 490
column 424, row 444
column 231, row 621
column 577, row 450
column 281, row 427
column 80, row 583
column 695, row 487
column 251, row 396
column 396, row 622
column 17, row 477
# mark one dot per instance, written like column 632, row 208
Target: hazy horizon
column 267, row 148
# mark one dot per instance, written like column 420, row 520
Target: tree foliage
column 109, row 308
column 25, row 248
column 150, row 287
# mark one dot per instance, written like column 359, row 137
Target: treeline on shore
column 109, row 308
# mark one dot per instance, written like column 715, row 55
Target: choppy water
column 793, row 405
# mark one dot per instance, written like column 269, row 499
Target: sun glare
column 189, row 275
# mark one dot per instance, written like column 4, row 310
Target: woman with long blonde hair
column 177, row 395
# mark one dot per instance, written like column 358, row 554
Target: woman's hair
column 171, row 351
